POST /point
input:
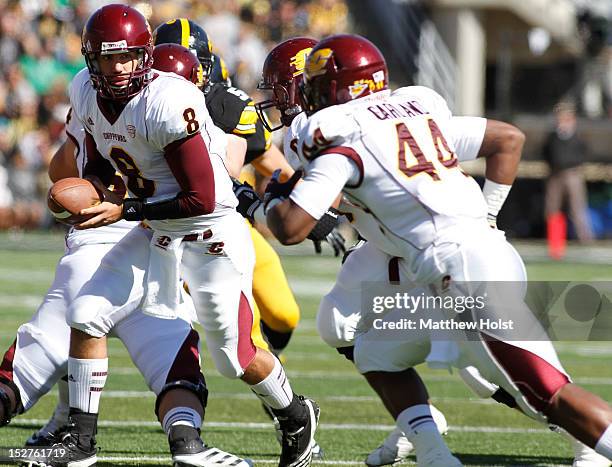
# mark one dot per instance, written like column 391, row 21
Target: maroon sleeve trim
column 352, row 155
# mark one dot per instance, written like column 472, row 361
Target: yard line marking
column 113, row 394
column 26, row 275
column 256, row 461
column 349, row 375
column 324, row 426
column 28, row 301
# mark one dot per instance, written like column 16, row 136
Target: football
column 68, row 196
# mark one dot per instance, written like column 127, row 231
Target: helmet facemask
column 137, row 79
column 283, row 99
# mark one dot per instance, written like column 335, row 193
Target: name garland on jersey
column 386, row 110
column 114, row 137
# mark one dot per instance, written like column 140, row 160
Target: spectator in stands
column 565, row 152
column 40, row 51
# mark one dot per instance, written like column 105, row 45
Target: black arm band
column 136, row 209
column 166, row 209
column 133, row 209
column 325, row 225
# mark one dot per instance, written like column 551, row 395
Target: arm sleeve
column 327, row 175
column 190, row 164
column 96, row 164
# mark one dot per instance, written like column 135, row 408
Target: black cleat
column 317, row 450
column 69, row 452
column 298, row 435
column 188, row 449
column 46, row 438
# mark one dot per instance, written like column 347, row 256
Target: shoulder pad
column 230, row 111
column 329, row 127
column 77, row 90
column 175, row 111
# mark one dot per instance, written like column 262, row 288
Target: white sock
column 275, row 390
column 419, row 426
column 86, row 379
column 604, row 445
column 181, row 416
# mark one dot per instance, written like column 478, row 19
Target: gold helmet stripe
column 185, row 32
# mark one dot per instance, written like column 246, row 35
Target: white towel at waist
column 162, row 284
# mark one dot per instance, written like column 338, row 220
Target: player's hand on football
column 248, row 199
column 107, row 212
column 277, row 190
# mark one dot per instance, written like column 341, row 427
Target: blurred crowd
column 40, row 53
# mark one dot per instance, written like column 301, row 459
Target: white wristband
column 273, row 202
column 495, row 195
column 260, row 216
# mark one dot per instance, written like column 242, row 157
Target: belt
column 192, row 237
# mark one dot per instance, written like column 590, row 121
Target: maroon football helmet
column 180, row 60
column 342, row 68
column 282, row 74
column 116, row 29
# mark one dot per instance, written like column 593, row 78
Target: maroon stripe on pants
column 246, row 348
column 6, row 368
column 537, row 379
column 186, row 365
column 394, row 275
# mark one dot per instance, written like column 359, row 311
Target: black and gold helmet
column 219, row 73
column 185, row 32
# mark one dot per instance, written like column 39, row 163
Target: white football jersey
column 290, row 140
column 410, row 187
column 167, row 110
column 105, row 234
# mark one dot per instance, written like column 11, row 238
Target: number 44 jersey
column 408, row 187
column 168, row 110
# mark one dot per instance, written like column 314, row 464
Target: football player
column 232, row 110
column 392, row 156
column 219, row 72
column 177, row 59
column 154, row 128
column 496, row 141
column 165, row 352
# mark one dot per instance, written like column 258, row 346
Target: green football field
column 353, row 421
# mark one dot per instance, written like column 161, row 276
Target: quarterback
column 165, row 352
column 154, row 128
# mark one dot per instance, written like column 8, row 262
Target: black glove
column 248, row 199
column 336, row 240
column 325, row 231
column 278, row 190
